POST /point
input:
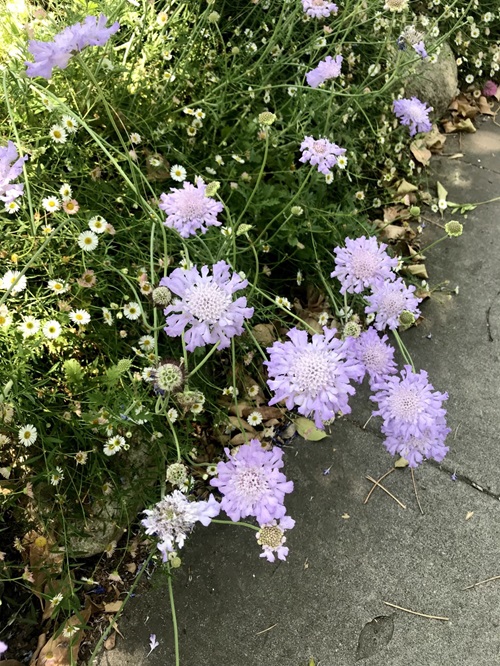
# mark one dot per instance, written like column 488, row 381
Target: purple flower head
column 419, row 48
column 11, row 166
column 57, row 53
column 173, row 517
column 414, row 113
column 374, row 354
column 329, row 68
column 251, row 483
column 189, row 210
column 489, row 89
column 388, row 301
column 319, row 8
column 3, row 647
column 321, row 153
column 361, row 263
column 272, row 538
column 205, row 311
column 413, row 415
column 312, row 376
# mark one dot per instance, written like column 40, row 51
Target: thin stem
column 424, row 249
column 236, row 522
column 403, row 350
column 174, row 616
column 204, row 360
column 257, row 182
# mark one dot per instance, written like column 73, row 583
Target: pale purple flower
column 251, row 483
column 153, row 644
column 272, row 538
column 321, row 153
column 173, row 518
column 189, row 209
column 205, row 310
column 329, row 68
column 419, row 48
column 388, row 300
column 57, row 53
column 11, row 166
column 361, row 263
column 3, row 647
column 312, row 376
column 374, row 353
column 413, row 113
column 319, row 8
column 489, row 89
column 413, row 414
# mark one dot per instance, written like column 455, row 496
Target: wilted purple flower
column 11, row 166
column 419, row 48
column 374, row 354
column 414, row 113
column 388, row 300
column 319, row 8
column 153, row 644
column 414, row 418
column 361, row 263
column 251, row 483
column 57, row 53
column 329, row 68
column 173, row 517
column 272, row 538
column 205, row 305
column 313, row 376
column 321, row 153
column 489, row 89
column 189, row 209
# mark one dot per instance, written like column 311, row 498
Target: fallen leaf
column 420, row 152
column 455, row 156
column 241, row 424
column 131, row 567
column 306, row 563
column 110, row 642
column 441, row 191
column 401, row 462
column 417, row 270
column 112, row 607
column 484, row 107
column 434, row 140
column 405, row 187
column 62, row 651
column 264, row 334
column 393, row 232
column 240, row 439
column 469, row 515
column 345, row 516
column 11, row 662
column 308, row 430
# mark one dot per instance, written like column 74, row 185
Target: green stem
column 174, row 616
column 403, row 350
column 204, row 360
column 236, row 522
column 257, row 182
column 424, row 249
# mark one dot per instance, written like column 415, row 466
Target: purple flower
column 272, row 538
column 489, row 89
column 329, row 68
column 173, row 517
column 389, row 300
column 319, row 8
column 11, row 166
column 3, row 647
column 361, row 263
column 374, row 354
column 414, row 113
column 321, row 153
column 313, row 376
column 205, row 305
column 153, row 644
column 414, row 418
column 251, row 483
column 419, row 48
column 57, row 53
column 189, row 209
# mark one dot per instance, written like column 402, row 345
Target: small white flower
column 70, row 630
column 469, row 78
column 65, row 191
column 58, row 134
column 135, row 138
column 12, row 281
column 97, row 224
column 80, row 317
column 107, row 316
column 162, row 18
column 11, row 207
column 58, row 286
column 5, row 318
column 30, row 326
column 198, row 113
column 132, row 310
column 146, row 342
column 69, row 124
column 51, row 204
column 81, row 457
column 88, row 241
column 442, row 204
column 57, row 476
column 255, row 418
column 323, row 319
column 253, row 391
column 148, row 374
column 113, row 445
column 56, row 600
column 178, row 173
column 238, row 159
column 226, row 231
column 292, row 91
column 219, row 160
column 52, row 329
column 27, row 434
column 300, row 278
column 329, row 178
column 283, row 302
column 172, row 415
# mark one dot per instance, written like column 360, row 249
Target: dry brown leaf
column 112, row 607
column 469, row 515
column 241, row 424
column 61, row 651
column 484, row 107
column 404, row 187
column 434, row 140
column 420, row 152
column 131, row 567
column 265, row 334
column 417, row 270
column 11, row 662
column 110, row 642
column 345, row 516
column 240, row 439
column 393, row 232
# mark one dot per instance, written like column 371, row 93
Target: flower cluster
column 11, row 166
column 321, row 153
column 319, row 8
column 389, row 300
column 189, row 209
column 413, row 113
column 329, row 68
column 374, row 353
column 361, row 263
column 57, row 53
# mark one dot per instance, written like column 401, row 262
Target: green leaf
column 73, row 371
column 442, row 193
column 114, row 373
column 401, row 462
column 308, row 430
column 312, row 662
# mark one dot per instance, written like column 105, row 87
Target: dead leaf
column 420, row 152
column 434, row 140
column 306, row 563
column 417, row 270
column 469, row 515
column 441, row 191
column 265, row 334
column 405, row 187
column 62, row 651
column 345, row 516
column 131, row 567
column 455, row 156
column 241, row 424
column 11, row 662
column 484, row 107
column 110, row 642
column 393, row 232
column 240, row 439
column 401, row 462
column 112, row 606
column 308, row 430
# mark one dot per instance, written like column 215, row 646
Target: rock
column 435, row 83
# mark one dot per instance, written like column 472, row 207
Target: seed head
column 406, row 318
column 453, row 228
column 162, row 296
column 267, row 118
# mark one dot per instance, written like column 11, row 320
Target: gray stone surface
column 347, row 558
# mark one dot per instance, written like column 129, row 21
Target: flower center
column 191, row 206
column 405, row 403
column 311, row 371
column 393, row 304
column 364, row 264
column 271, row 536
column 208, row 302
column 375, row 358
column 251, row 483
column 319, row 146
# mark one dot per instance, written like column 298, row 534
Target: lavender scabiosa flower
column 205, row 310
column 419, row 48
column 413, row 414
column 361, row 263
column 11, row 166
column 272, row 538
column 251, row 483
column 388, row 300
column 313, row 376
column 321, row 153
column 319, row 8
column 329, row 68
column 374, row 353
column 413, row 113
column 173, row 518
column 189, row 209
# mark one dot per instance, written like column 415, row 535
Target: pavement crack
column 457, row 476
column 481, row 166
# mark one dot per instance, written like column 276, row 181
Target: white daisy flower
column 323, row 319
column 178, row 173
column 27, row 434
column 253, row 391
column 11, row 207
column 51, row 204
column 88, row 241
column 135, row 138
column 283, row 302
column 219, row 160
column 97, row 224
column 57, row 476
column 199, row 114
column 81, row 457
column 148, row 374
column 30, row 326
column 80, row 317
column 146, row 288
column 69, row 124
column 65, row 191
column 172, row 415
column 58, row 286
column 132, row 310
column 58, row 134
column 255, row 418
column 113, row 445
column 107, row 316
column 5, row 318
column 52, row 329
column 162, row 18
column 146, row 342
column 12, row 281
column 56, row 600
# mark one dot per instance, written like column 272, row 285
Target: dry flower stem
column 415, row 489
column 407, row 610
column 375, row 484
column 403, row 506
column 268, row 629
column 481, row 582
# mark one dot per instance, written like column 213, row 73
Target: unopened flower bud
column 162, row 296
column 212, row 188
column 406, row 318
column 352, row 330
column 414, row 211
column 267, row 118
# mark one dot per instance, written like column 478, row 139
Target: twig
column 268, row 629
column 386, row 491
column 407, row 610
column 375, row 485
column 481, row 582
column 415, row 489
column 369, row 419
